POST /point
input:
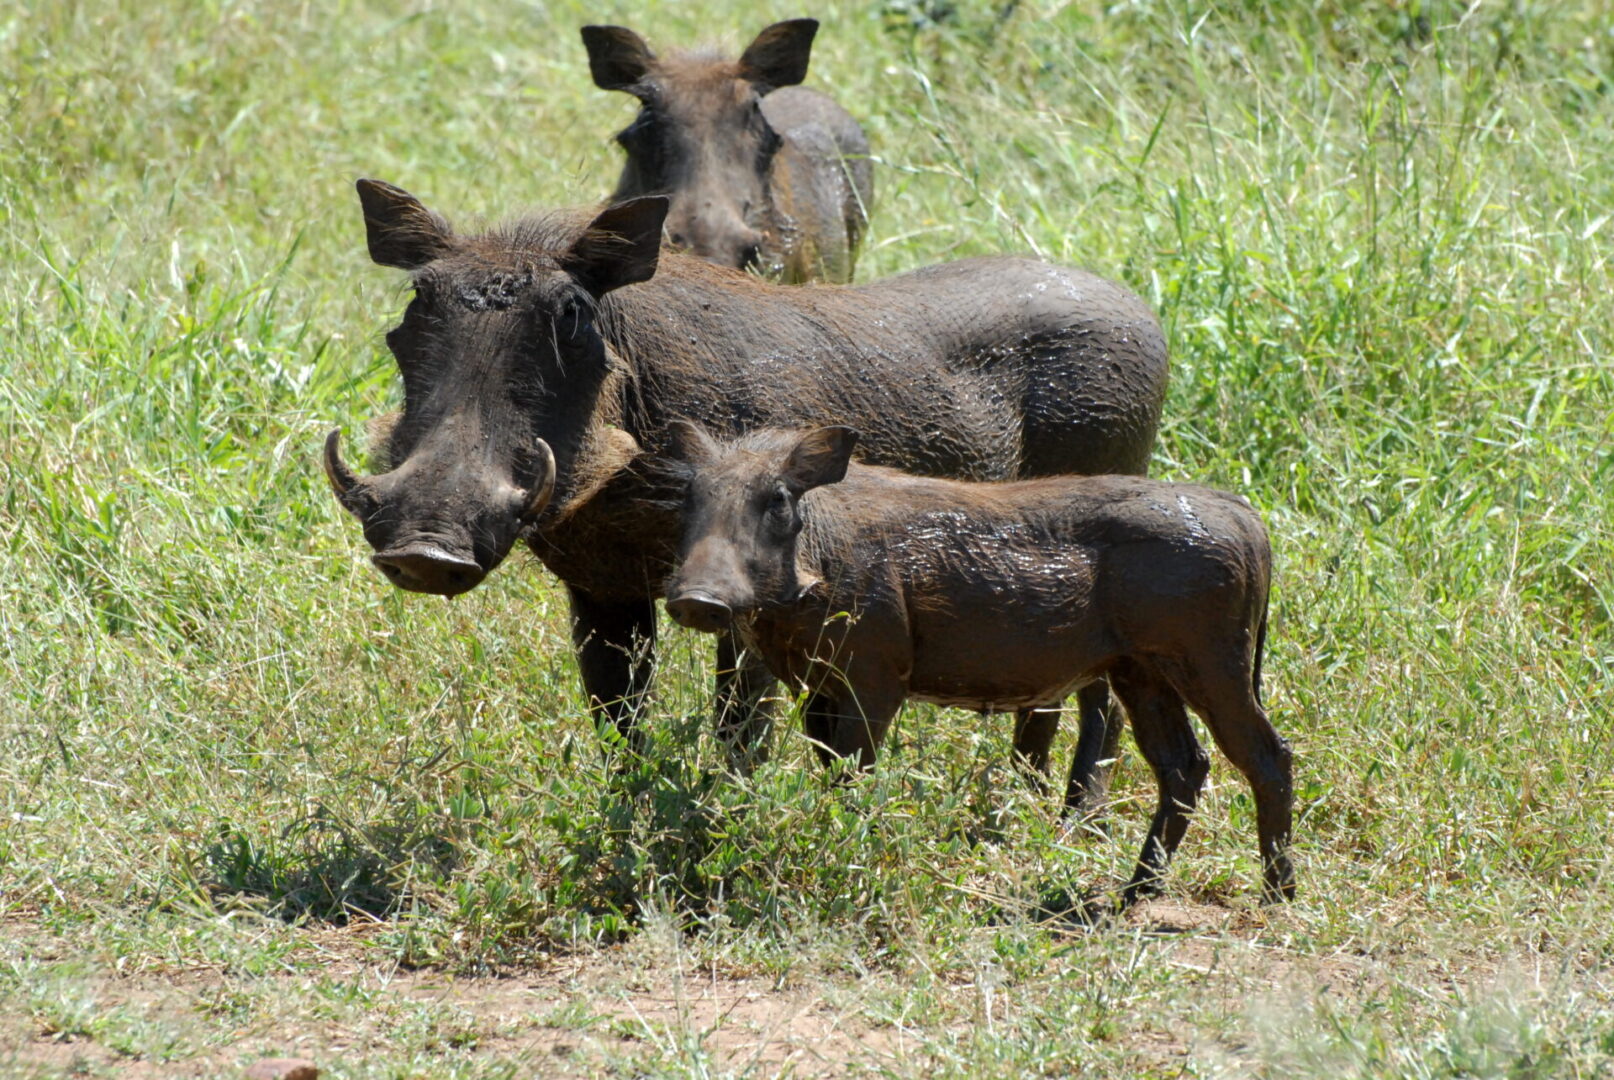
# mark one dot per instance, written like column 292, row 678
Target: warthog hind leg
column 1098, row 742
column 1224, row 696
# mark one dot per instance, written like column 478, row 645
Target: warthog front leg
column 616, row 650
column 818, row 716
column 1034, row 731
column 744, row 712
column 851, row 723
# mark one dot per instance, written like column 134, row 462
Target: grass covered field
column 254, row 800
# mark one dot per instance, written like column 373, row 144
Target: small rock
column 283, row 1069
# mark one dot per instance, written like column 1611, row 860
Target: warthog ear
column 819, row 458
column 778, row 57
column 400, row 230
column 618, row 58
column 692, row 443
column 620, row 246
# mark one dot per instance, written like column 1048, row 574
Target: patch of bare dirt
column 567, row 1019
column 76, row 1010
column 746, row 1024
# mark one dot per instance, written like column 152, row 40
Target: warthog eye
column 566, row 318
column 780, row 513
column 770, row 143
column 640, row 135
column 570, row 316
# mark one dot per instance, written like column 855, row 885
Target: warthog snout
column 428, row 569
column 721, row 237
column 700, row 611
column 419, row 546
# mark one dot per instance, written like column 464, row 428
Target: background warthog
column 866, row 586
column 761, row 172
column 563, row 330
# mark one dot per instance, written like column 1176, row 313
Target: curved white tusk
column 341, row 477
column 544, row 487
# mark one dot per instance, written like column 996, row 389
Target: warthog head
column 700, row 136
column 502, row 363
column 742, row 519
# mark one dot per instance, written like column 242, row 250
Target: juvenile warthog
column 761, row 172
column 864, row 586
column 563, row 329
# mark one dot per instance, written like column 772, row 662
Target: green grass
column 1378, row 236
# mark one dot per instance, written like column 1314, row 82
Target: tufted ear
column 400, row 230
column 618, row 58
column 819, row 458
column 778, row 57
column 620, row 246
column 691, row 443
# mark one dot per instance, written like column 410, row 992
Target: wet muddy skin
column 577, row 332
column 863, row 587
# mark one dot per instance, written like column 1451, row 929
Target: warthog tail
column 1260, row 648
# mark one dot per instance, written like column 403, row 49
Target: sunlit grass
column 1378, row 237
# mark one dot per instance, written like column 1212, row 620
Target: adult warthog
column 560, row 332
column 762, row 172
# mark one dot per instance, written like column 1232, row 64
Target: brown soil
column 562, row 1020
column 579, row 1014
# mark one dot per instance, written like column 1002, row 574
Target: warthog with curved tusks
column 578, row 333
